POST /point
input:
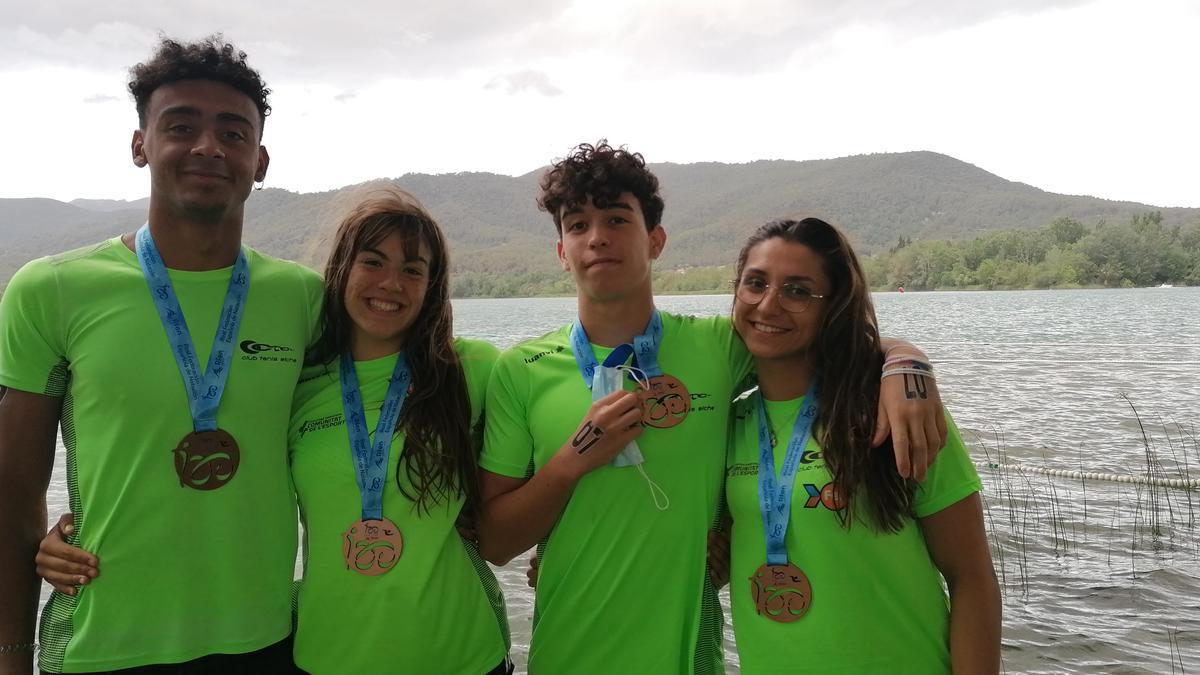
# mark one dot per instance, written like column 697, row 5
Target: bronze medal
column 665, row 402
column 372, row 547
column 781, row 592
column 207, row 460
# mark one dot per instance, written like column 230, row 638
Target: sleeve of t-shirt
column 507, row 443
column 314, row 295
column 478, row 359
column 737, row 356
column 313, row 380
column 32, row 342
column 950, row 479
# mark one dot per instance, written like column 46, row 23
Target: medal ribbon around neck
column 781, row 591
column 644, row 350
column 371, row 457
column 665, row 400
column 775, row 496
column 645, row 361
column 204, row 389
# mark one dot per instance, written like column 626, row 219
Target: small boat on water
column 1166, row 286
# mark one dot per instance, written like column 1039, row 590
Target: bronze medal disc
column 372, row 547
column 665, row 402
column 206, row 460
column 781, row 592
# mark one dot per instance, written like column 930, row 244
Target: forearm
column 28, row 423
column 518, row 513
column 975, row 625
column 957, row 543
column 514, row 522
column 23, row 525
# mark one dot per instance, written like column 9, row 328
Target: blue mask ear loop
column 661, row 501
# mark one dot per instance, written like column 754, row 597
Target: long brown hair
column 439, row 455
column 847, row 360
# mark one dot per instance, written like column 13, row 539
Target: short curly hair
column 208, row 59
column 602, row 173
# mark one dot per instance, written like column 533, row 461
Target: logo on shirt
column 698, row 407
column 548, row 352
column 321, row 423
column 742, row 470
column 253, row 350
column 827, row 495
column 253, row 347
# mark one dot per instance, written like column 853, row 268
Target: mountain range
column 496, row 230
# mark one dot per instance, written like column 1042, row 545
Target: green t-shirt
column 185, row 572
column 439, row 610
column 878, row 604
column 622, row 586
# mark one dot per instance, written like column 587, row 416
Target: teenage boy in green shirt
column 621, row 531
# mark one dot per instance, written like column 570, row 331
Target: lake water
column 1098, row 576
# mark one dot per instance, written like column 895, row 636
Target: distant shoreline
column 729, row 292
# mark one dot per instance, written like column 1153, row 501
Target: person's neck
column 610, row 323
column 193, row 245
column 783, row 379
column 363, row 348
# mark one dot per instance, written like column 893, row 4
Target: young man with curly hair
column 148, row 350
column 618, row 489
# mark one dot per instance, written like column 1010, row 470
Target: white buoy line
column 1165, row 345
column 1183, row 483
column 1122, row 362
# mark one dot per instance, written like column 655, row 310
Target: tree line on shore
column 1066, row 253
column 1063, row 254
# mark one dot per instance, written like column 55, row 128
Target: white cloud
column 524, row 80
column 1080, row 98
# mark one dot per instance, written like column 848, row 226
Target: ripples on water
column 1098, row 577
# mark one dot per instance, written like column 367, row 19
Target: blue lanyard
column 371, row 458
column 775, row 496
column 644, row 350
column 204, row 390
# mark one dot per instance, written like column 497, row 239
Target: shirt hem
column 75, row 665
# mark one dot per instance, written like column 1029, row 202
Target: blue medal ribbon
column 644, row 350
column 204, row 389
column 371, row 457
column 775, row 496
column 603, row 380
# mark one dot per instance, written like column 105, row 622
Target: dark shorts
column 273, row 660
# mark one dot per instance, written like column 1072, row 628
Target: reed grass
column 1038, row 526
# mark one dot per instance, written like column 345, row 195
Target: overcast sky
column 1078, row 97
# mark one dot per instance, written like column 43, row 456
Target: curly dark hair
column 848, row 359
column 602, row 173
column 208, row 59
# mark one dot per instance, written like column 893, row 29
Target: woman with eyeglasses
column 837, row 561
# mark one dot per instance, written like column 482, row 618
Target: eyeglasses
column 791, row 298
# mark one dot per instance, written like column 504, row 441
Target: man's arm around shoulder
column 28, row 425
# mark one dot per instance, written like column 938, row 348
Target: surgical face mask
column 604, row 382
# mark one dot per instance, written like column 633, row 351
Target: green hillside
column 502, row 244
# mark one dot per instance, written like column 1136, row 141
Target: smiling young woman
column 835, row 547
column 381, row 540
